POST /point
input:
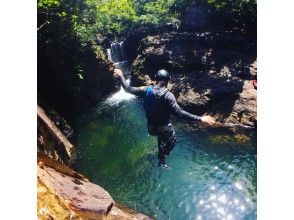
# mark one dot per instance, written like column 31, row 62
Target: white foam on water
column 119, row 96
column 116, row 54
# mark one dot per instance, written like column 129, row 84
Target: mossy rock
column 227, row 139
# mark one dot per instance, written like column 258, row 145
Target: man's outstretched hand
column 118, row 72
column 208, row 120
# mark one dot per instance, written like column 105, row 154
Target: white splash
column 121, row 95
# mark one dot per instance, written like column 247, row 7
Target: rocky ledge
column 212, row 72
column 66, row 194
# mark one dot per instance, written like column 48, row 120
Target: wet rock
column 102, row 41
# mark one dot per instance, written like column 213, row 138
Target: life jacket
column 153, row 98
column 155, row 106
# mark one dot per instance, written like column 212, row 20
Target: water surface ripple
column 209, row 179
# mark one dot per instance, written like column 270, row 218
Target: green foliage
column 48, row 4
column 156, row 12
column 115, row 16
column 69, row 28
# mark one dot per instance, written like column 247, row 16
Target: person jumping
column 159, row 103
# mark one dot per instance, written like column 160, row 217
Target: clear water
column 209, row 179
column 212, row 175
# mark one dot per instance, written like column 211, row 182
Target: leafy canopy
column 115, row 18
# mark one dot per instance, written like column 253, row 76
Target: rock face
column 51, row 140
column 196, row 17
column 61, row 123
column 133, row 40
column 65, row 194
column 77, row 195
column 211, row 71
column 71, row 89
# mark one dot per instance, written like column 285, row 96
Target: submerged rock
column 228, row 139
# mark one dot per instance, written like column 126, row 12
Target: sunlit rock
column 64, row 196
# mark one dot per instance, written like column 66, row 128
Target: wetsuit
column 158, row 115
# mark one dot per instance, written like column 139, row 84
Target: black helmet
column 162, row 75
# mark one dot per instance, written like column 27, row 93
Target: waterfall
column 116, row 54
column 109, row 55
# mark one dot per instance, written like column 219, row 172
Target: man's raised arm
column 138, row 91
column 178, row 111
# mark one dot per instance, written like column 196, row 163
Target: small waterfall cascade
column 116, row 54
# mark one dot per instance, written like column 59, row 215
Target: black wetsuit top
column 167, row 105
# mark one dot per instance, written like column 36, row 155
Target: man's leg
column 161, row 146
column 166, row 142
